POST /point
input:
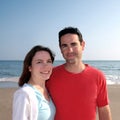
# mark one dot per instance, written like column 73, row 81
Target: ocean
column 11, row 69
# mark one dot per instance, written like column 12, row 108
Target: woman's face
column 41, row 66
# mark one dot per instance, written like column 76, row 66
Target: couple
column 76, row 89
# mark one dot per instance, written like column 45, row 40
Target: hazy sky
column 25, row 23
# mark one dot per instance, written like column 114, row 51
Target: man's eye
column 74, row 44
column 63, row 46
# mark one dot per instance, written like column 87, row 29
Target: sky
column 26, row 23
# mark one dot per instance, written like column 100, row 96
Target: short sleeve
column 102, row 93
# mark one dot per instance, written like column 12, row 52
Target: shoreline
column 9, row 79
column 15, row 79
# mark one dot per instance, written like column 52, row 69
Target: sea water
column 10, row 70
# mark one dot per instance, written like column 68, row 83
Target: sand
column 6, row 96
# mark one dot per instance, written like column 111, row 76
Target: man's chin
column 71, row 61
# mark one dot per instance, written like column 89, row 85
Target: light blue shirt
column 46, row 109
column 30, row 104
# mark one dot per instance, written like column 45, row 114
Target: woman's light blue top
column 46, row 109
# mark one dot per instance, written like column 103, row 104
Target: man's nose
column 70, row 49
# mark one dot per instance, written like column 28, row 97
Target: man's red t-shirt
column 76, row 96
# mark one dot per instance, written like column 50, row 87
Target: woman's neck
column 41, row 88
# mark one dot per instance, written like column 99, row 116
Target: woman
column 32, row 101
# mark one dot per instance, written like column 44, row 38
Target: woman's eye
column 39, row 62
column 50, row 61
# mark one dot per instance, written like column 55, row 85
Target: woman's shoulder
column 24, row 90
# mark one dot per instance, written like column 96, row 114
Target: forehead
column 69, row 38
column 41, row 55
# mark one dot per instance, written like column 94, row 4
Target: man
column 77, row 89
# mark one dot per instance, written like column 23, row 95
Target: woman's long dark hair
column 25, row 76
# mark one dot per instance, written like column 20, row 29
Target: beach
column 6, row 97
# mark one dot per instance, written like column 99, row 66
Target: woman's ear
column 29, row 68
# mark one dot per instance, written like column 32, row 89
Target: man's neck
column 75, row 68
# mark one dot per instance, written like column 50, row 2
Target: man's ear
column 83, row 44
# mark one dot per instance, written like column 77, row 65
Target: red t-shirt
column 76, row 96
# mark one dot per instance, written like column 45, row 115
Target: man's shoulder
column 93, row 69
column 58, row 67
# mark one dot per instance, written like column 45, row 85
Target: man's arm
column 104, row 113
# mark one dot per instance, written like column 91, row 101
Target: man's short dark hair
column 71, row 30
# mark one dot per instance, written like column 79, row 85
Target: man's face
column 71, row 48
